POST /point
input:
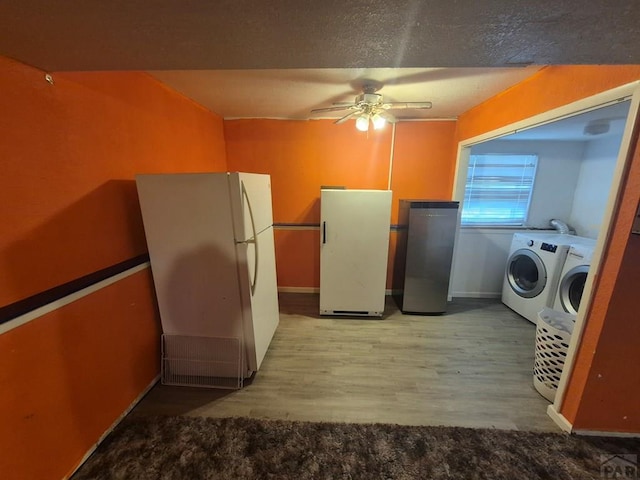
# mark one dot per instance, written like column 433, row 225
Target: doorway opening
column 609, row 118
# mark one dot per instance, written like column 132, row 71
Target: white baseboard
column 566, row 426
column 114, row 425
column 559, row 419
column 316, row 290
column 298, row 290
column 599, row 433
column 476, row 294
column 389, row 291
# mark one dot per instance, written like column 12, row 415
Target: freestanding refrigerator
column 211, row 246
column 422, row 267
column 354, row 245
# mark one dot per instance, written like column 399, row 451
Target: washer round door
column 526, row 273
column 571, row 288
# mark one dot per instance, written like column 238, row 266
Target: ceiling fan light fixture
column 369, row 107
column 362, row 122
column 378, row 121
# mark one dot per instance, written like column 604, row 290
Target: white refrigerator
column 354, row 247
column 211, row 246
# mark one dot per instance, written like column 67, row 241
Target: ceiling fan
column 369, row 107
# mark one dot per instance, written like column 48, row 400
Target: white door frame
column 630, row 91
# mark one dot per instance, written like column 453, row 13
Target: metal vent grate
column 212, row 362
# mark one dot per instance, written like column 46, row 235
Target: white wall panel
column 479, row 262
column 593, row 185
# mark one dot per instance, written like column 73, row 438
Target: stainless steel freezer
column 426, row 236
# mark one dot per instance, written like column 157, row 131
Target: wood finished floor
column 470, row 367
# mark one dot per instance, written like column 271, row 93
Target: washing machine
column 573, row 277
column 533, row 270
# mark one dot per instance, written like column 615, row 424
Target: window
column 498, row 189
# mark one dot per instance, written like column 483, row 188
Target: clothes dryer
column 573, row 277
column 533, row 270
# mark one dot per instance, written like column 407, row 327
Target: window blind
column 498, row 190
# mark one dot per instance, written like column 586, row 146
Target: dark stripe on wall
column 317, row 225
column 296, row 225
column 9, row 312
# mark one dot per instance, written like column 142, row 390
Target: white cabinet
column 354, row 246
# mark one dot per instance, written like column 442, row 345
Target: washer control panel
column 548, row 247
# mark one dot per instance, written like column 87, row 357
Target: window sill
column 505, row 228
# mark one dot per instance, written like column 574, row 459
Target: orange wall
column 301, row 156
column 592, row 401
column 69, row 155
column 550, row 88
column 69, row 207
column 68, row 375
column 422, row 165
column 298, row 257
column 603, row 393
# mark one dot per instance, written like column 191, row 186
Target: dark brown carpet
column 242, row 448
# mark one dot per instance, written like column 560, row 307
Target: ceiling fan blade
column 387, row 116
column 405, row 105
column 333, row 109
column 347, row 117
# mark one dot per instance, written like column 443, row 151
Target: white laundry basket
column 553, row 334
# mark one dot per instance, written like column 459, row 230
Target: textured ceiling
column 240, row 34
column 293, row 93
column 281, row 58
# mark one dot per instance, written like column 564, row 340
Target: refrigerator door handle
column 324, row 232
column 253, row 239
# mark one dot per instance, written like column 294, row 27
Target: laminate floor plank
column 469, row 367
